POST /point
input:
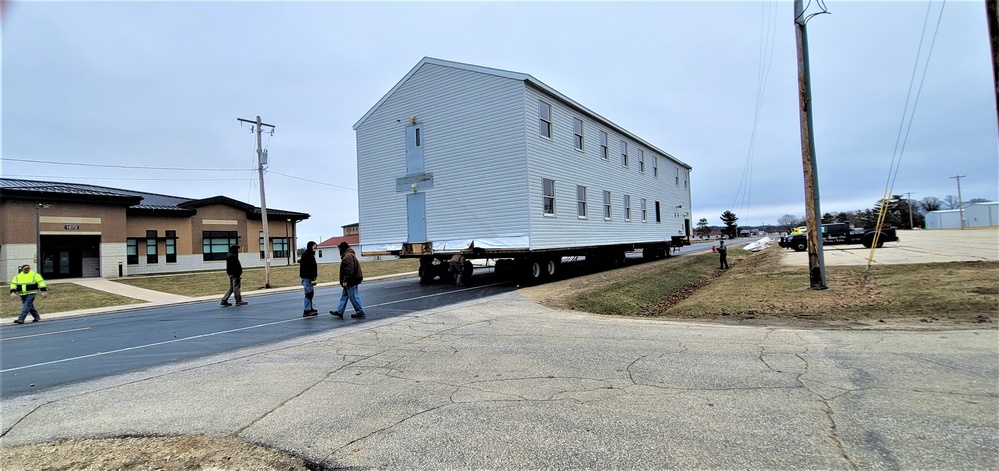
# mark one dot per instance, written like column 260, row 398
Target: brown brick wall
column 18, row 221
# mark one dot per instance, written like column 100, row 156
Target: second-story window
column 655, row 166
column 548, row 196
column 677, row 175
column 545, row 119
column 604, row 152
column 624, row 154
column 641, row 161
column 577, row 133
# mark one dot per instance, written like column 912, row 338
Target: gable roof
column 136, row 202
column 526, row 78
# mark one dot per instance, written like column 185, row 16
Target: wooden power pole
column 263, row 200
column 816, row 264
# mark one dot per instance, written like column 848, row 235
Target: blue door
column 416, row 217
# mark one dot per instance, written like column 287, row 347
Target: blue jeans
column 27, row 306
column 309, row 292
column 350, row 293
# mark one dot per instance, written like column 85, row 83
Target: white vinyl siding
column 481, row 144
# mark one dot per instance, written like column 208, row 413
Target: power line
column 312, row 181
column 124, row 166
column 78, row 177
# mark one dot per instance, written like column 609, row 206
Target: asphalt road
column 36, row 357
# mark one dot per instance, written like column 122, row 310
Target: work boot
column 225, row 304
column 36, row 319
column 18, row 321
column 337, row 314
column 357, row 315
column 310, row 313
column 241, row 303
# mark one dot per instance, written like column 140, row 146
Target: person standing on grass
column 722, row 256
column 27, row 284
column 235, row 271
column 350, row 278
column 308, row 271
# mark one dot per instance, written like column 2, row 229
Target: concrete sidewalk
column 504, row 383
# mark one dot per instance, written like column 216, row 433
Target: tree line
column 899, row 212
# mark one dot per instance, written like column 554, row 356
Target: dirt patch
column 149, row 453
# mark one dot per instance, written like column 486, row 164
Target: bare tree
column 930, row 203
column 788, row 222
column 977, row 200
column 950, row 202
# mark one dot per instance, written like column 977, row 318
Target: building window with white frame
column 686, row 175
column 545, row 119
column 641, row 161
column 655, row 166
column 645, row 211
column 607, row 204
column 604, row 151
column 581, row 201
column 627, row 207
column 677, row 175
column 624, row 154
column 577, row 133
column 548, row 196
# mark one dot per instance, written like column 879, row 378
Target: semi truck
column 459, row 162
column 841, row 233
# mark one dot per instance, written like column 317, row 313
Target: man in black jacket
column 235, row 271
column 308, row 272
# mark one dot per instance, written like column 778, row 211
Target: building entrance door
column 70, row 256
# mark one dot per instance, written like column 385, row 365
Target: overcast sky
column 160, row 85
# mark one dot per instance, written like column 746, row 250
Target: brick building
column 78, row 230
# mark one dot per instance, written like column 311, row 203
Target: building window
column 604, row 151
column 419, row 138
column 545, row 119
column 151, row 253
column 658, row 218
column 607, row 205
column 627, row 207
column 280, row 245
column 685, row 175
column 215, row 244
column 655, row 166
column 645, row 211
column 677, row 175
column 624, row 154
column 577, row 133
column 171, row 246
column 581, row 201
column 641, row 161
column 132, row 251
column 548, row 196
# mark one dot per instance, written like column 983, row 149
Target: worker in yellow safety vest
column 27, row 284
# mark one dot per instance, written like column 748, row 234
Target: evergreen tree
column 729, row 218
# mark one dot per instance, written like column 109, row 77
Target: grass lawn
column 63, row 297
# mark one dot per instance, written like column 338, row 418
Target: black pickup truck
column 840, row 233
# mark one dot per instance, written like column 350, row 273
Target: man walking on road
column 27, row 284
column 235, row 271
column 350, row 277
column 308, row 272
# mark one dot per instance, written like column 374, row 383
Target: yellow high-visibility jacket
column 27, row 283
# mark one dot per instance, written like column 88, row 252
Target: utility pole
column 263, row 201
column 908, row 199
column 960, row 204
column 992, row 20
column 816, row 264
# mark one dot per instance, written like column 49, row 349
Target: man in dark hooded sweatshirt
column 350, row 277
column 235, row 271
column 308, row 272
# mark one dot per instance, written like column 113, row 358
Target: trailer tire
column 426, row 273
column 535, row 270
column 800, row 246
column 552, row 266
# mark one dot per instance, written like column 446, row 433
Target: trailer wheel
column 426, row 273
column 535, row 270
column 552, row 266
column 800, row 246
